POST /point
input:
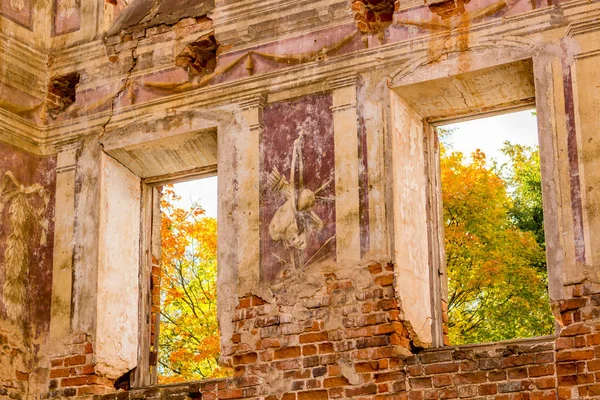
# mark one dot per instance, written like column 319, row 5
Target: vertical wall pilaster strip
column 248, row 184
column 345, row 127
column 62, row 270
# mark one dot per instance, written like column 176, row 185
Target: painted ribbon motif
column 23, row 218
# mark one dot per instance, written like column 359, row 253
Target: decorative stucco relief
column 18, row 11
column 297, row 186
column 67, row 16
column 24, row 216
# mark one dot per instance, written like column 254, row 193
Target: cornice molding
column 253, row 23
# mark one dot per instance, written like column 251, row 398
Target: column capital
column 253, row 101
column 343, row 81
column 66, row 159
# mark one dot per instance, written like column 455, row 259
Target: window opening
column 494, row 229
column 188, row 333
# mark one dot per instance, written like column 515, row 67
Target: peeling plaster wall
column 324, row 285
column 118, row 267
column 26, row 239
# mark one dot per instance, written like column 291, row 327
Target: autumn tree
column 189, row 333
column 524, row 182
column 495, row 291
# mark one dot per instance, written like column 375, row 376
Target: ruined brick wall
column 74, row 373
column 578, row 346
column 298, row 358
column 303, row 316
column 294, row 353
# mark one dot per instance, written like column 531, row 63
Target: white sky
column 489, row 134
column 203, row 190
column 486, row 134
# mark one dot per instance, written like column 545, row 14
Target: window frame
column 150, row 248
column 407, row 107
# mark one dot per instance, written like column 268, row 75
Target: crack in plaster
column 462, row 96
column 123, row 87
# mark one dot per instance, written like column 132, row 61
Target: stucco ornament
column 24, row 215
column 67, row 7
column 295, row 219
column 17, row 5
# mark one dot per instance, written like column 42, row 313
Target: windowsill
column 494, row 345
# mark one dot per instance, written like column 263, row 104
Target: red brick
column 516, row 361
column 75, row 360
column 487, row 389
column 309, row 350
column 441, row 368
column 541, row 370
column 593, row 340
column 545, row 383
column 389, row 376
column 249, row 358
column 575, row 329
column 385, row 280
column 375, row 268
column 314, row 337
column 574, row 355
column 360, row 391
column 313, row 395
column 287, row 352
column 230, row 393
column 287, row 364
column 60, row 373
column 77, row 381
column 22, row 376
column 420, row 383
column 363, row 367
column 387, row 304
column 326, row 348
column 56, row 363
column 335, row 382
column 88, row 390
column 442, row 380
column 472, row 378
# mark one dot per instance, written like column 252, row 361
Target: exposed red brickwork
column 74, row 374
column 445, row 323
column 155, row 308
column 373, row 16
column 578, row 347
column 346, row 342
column 128, row 40
column 320, row 358
column 61, row 93
column 200, row 56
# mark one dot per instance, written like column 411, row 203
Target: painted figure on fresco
column 24, row 215
column 295, row 219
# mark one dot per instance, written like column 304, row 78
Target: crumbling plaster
column 132, row 95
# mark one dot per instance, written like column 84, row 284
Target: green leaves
column 497, row 289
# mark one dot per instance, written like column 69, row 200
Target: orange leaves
column 495, row 291
column 189, row 335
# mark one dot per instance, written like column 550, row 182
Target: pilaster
column 345, row 126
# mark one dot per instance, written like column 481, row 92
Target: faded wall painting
column 67, row 16
column 27, row 185
column 297, row 195
column 18, row 11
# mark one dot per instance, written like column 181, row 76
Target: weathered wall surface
column 27, row 190
column 317, row 112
